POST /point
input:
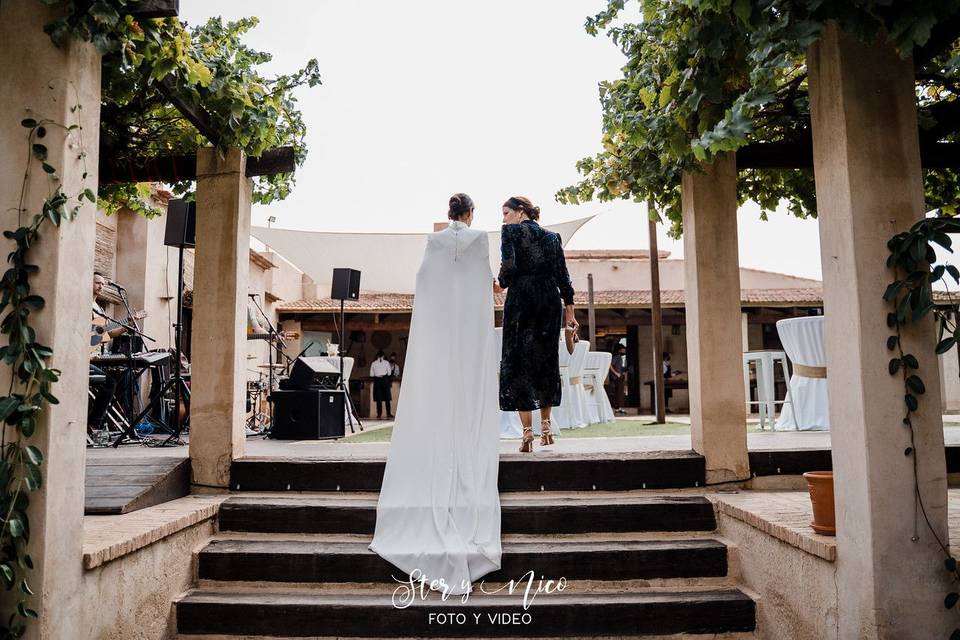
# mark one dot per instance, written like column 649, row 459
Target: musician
column 105, row 391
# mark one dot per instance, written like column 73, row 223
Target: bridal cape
column 438, row 516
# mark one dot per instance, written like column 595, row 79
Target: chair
column 571, row 414
column 595, row 372
column 764, row 362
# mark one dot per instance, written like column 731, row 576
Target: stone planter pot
column 820, row 484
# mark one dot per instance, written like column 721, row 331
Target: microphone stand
column 273, row 335
column 133, row 384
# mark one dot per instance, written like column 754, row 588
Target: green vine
column 911, row 296
column 702, row 77
column 31, row 379
column 209, row 65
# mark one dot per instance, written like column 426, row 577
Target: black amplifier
column 311, row 414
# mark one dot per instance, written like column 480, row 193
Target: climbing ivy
column 913, row 259
column 703, row 77
column 210, row 65
column 31, row 377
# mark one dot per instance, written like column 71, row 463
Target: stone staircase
column 291, row 560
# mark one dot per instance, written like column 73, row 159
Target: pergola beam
column 184, row 167
column 799, row 155
column 194, row 113
column 149, row 9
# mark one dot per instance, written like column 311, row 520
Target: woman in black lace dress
column 539, row 294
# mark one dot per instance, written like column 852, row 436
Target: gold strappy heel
column 546, row 437
column 526, row 445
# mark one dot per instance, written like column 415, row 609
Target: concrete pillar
column 41, row 81
column 869, row 187
column 219, row 343
column 714, row 334
column 142, row 268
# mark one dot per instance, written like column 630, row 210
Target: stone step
column 643, row 612
column 526, row 513
column 301, row 561
column 544, row 470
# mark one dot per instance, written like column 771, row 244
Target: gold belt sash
column 805, row 371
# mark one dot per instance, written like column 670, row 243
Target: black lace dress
column 534, row 272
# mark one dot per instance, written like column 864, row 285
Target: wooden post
column 591, row 312
column 660, row 410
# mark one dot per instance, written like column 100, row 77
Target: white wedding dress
column 439, row 510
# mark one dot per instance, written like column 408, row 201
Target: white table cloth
column 571, row 414
column 808, row 408
column 595, row 373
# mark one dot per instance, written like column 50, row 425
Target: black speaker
column 346, row 284
column 313, row 372
column 313, row 414
column 181, row 229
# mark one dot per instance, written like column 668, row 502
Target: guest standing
column 539, row 294
column 618, row 378
column 380, row 371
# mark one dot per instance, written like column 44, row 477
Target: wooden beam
column 799, row 155
column 194, row 113
column 149, row 9
column 184, row 167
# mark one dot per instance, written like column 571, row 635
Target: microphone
column 253, row 295
column 117, row 286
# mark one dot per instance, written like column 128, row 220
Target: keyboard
column 143, row 359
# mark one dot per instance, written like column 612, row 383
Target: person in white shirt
column 381, row 371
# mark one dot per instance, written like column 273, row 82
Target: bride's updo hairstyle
column 460, row 205
column 523, row 205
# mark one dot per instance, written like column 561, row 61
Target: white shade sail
column 388, row 261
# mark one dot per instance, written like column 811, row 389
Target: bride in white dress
column 438, row 517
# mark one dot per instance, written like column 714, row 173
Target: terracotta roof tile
column 403, row 302
column 612, row 254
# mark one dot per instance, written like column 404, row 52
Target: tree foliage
column 707, row 76
column 208, row 64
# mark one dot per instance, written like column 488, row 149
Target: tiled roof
column 612, row 254
column 403, row 302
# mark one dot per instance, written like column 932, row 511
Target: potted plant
column 820, row 484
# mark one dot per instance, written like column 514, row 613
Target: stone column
column 142, row 261
column 41, row 81
column 714, row 337
column 869, row 187
column 219, row 345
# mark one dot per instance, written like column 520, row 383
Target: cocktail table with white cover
column 595, row 372
column 802, row 339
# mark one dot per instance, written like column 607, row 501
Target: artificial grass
column 622, row 428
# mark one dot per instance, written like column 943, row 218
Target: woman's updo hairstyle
column 523, row 205
column 460, row 205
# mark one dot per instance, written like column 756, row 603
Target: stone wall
column 131, row 597
column 796, row 590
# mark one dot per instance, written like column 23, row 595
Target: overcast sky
column 424, row 98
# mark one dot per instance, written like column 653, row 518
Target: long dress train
column 438, row 515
